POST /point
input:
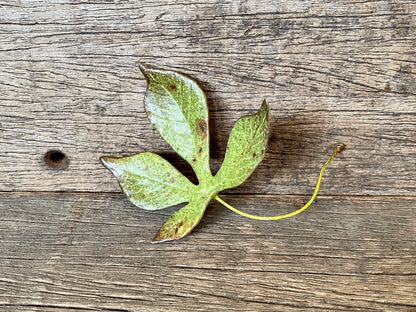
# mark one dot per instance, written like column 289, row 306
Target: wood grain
column 343, row 71
column 332, row 71
column 93, row 252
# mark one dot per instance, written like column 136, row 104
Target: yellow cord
column 337, row 149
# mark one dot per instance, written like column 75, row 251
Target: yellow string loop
column 337, row 149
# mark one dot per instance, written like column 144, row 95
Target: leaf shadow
column 180, row 164
column 293, row 141
column 217, row 143
column 293, row 136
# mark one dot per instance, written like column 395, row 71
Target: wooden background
column 332, row 71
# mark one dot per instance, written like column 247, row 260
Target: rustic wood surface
column 92, row 251
column 332, row 71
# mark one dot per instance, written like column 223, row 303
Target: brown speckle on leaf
column 254, row 154
column 200, row 150
column 171, row 87
column 201, row 128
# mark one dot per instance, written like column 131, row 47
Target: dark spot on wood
column 171, row 87
column 201, row 128
column 387, row 87
column 160, row 16
column 403, row 88
column 55, row 159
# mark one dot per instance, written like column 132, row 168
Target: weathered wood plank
column 67, row 252
column 331, row 71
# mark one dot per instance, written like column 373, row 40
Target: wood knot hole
column 55, row 159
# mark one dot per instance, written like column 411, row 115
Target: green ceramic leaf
column 177, row 108
column 245, row 148
column 149, row 181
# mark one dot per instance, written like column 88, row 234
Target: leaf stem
column 337, row 149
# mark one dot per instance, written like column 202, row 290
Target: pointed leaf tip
column 143, row 67
column 149, row 181
column 107, row 161
column 182, row 222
